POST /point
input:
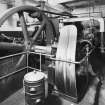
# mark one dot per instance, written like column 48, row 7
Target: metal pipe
column 102, row 26
column 11, row 46
column 73, row 62
column 102, row 43
column 51, row 57
column 12, row 55
column 61, row 14
column 40, row 61
column 100, row 20
column 42, row 49
column 27, row 60
column 48, row 55
column 85, row 13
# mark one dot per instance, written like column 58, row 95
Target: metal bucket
column 34, row 85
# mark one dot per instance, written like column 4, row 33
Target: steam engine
column 69, row 55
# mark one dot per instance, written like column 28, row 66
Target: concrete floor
column 94, row 96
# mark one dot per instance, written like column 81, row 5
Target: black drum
column 34, row 85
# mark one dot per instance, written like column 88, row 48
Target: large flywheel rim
column 14, row 10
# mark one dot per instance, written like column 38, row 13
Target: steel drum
column 35, row 88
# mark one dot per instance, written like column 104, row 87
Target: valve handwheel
column 86, row 44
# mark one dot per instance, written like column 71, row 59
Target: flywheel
column 15, row 59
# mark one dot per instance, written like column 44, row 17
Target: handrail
column 62, row 60
column 48, row 55
column 4, row 57
column 9, row 74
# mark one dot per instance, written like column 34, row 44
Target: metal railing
column 16, row 71
column 51, row 57
column 62, row 60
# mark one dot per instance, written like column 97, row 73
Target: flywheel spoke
column 39, row 30
column 20, row 61
column 24, row 27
